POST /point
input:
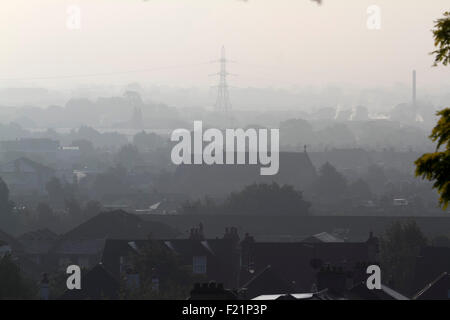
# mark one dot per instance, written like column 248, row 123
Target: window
column 199, row 264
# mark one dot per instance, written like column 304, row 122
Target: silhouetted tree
column 7, row 218
column 58, row 192
column 330, row 185
column 201, row 207
column 128, row 156
column 255, row 199
column 267, row 199
column 13, row 284
column 441, row 34
column 6, row 205
column 436, row 166
column 359, row 189
column 73, row 208
column 376, row 178
column 113, row 181
column 45, row 214
column 55, row 191
column 400, row 247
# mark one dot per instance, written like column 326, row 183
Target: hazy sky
column 277, row 43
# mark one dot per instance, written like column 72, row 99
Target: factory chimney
column 414, row 88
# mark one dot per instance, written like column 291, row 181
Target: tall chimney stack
column 414, row 88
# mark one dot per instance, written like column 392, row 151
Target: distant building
column 41, row 150
column 29, row 145
column 84, row 245
column 296, row 169
column 26, row 176
column 83, row 252
column 68, row 155
column 298, row 262
column 322, row 267
column 215, row 259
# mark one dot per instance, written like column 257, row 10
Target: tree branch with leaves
column 441, row 34
column 436, row 166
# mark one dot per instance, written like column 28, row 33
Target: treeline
column 255, row 199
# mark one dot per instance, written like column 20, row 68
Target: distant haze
column 275, row 43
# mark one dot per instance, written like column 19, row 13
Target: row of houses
column 24, row 176
column 104, row 245
column 321, row 266
column 28, row 178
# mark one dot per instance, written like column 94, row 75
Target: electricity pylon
column 223, row 98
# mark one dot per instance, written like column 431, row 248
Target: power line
column 102, row 74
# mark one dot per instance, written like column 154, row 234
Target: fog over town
column 118, row 162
